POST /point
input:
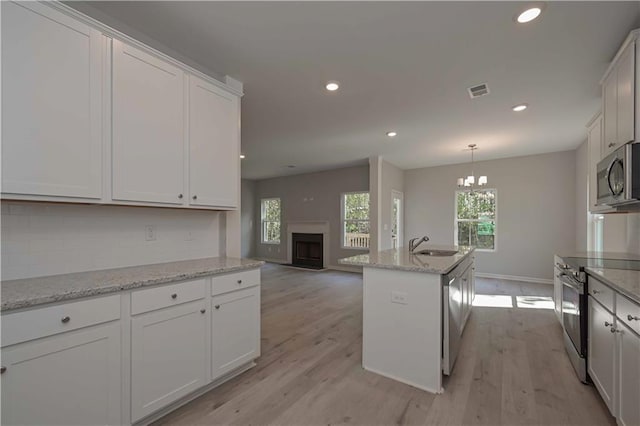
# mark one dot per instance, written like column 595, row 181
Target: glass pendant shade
column 482, row 180
column 470, row 181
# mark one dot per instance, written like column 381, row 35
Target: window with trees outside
column 270, row 220
column 355, row 220
column 476, row 213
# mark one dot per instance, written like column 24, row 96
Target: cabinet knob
column 3, row 369
column 195, row 197
column 613, row 330
column 202, row 311
column 633, row 318
column 595, row 291
column 239, row 281
column 608, row 324
column 217, row 306
column 174, row 296
column 611, row 144
column 180, row 196
column 66, row 319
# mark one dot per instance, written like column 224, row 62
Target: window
column 355, row 220
column 270, row 220
column 476, row 219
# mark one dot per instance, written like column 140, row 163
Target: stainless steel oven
column 574, row 317
column 618, row 177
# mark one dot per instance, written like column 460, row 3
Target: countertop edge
column 406, row 268
column 96, row 292
column 626, row 293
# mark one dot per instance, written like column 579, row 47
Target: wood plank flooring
column 512, row 368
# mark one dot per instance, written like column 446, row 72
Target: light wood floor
column 512, row 368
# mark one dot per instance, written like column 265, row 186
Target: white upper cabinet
column 594, row 138
column 214, row 145
column 148, row 128
column 621, row 108
column 51, row 103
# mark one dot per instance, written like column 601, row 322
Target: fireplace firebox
column 307, row 250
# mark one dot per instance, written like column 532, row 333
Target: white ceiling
column 402, row 66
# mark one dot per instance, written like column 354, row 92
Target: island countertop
column 28, row 292
column 401, row 259
column 623, row 281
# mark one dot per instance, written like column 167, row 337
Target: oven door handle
column 569, row 282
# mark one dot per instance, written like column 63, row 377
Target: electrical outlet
column 399, row 297
column 150, row 232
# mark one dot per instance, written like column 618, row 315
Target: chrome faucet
column 413, row 245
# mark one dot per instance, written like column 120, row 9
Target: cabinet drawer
column 167, row 295
column 235, row 281
column 601, row 293
column 628, row 312
column 43, row 322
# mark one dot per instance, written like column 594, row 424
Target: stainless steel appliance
column 453, row 314
column 618, row 177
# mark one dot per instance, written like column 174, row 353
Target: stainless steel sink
column 437, row 252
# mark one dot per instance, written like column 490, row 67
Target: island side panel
column 402, row 339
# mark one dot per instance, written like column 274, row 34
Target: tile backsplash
column 47, row 239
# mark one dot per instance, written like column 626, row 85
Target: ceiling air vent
column 479, row 90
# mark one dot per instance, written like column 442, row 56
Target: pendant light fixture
column 470, row 181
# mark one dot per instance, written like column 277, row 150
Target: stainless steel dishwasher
column 452, row 314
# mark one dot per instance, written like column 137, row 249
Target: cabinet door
column 235, row 330
column 602, row 351
column 72, row 378
column 626, row 69
column 51, row 103
column 610, row 113
column 148, row 127
column 594, row 139
column 214, row 148
column 629, row 376
column 168, row 356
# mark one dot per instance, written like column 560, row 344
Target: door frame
column 395, row 194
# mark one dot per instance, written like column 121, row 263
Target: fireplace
column 306, row 250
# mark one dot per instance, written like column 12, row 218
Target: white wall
column 47, row 239
column 392, row 179
column 621, row 233
column 582, row 191
column 248, row 214
column 536, row 210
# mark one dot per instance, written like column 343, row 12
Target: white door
column 169, row 356
column 51, row 103
column 72, row 378
column 235, row 330
column 214, row 146
column 148, row 128
column 626, row 69
column 629, row 376
column 397, row 213
column 602, row 351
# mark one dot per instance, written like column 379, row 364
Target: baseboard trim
column 515, row 278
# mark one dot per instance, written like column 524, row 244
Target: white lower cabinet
column 629, row 376
column 235, row 327
column 168, row 356
column 601, row 351
column 72, row 378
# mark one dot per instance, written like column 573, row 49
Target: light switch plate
column 399, row 297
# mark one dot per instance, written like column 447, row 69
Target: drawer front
column 235, row 281
column 43, row 322
column 601, row 293
column 168, row 295
column 628, row 312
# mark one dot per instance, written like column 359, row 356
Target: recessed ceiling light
column 242, row 156
column 520, row 107
column 392, row 134
column 529, row 15
column 332, row 86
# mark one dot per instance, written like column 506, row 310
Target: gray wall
column 247, row 217
column 536, row 210
column 325, row 189
column 392, row 179
column 582, row 191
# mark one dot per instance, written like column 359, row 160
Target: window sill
column 355, row 248
column 271, row 243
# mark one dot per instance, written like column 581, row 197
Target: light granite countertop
column 606, row 255
column 623, row 281
column 28, row 292
column 401, row 259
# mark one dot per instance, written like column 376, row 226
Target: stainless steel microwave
column 619, row 177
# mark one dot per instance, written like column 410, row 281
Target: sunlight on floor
column 504, row 301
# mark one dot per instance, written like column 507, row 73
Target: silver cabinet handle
column 180, row 196
column 239, row 281
column 632, row 318
column 65, row 319
column 174, row 296
column 613, row 330
column 217, row 306
column 611, row 144
column 195, row 197
column 595, row 291
column 3, row 369
column 202, row 311
column 608, row 324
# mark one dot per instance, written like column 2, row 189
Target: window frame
column 495, row 219
column 343, row 221
column 263, row 221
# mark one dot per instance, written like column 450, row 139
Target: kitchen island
column 415, row 307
